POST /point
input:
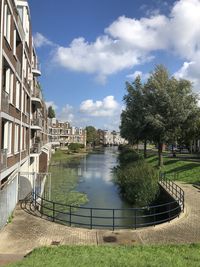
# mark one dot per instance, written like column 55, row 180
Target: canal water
column 105, row 206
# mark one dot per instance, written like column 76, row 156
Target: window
column 7, row 137
column 7, row 23
column 8, row 79
column 17, row 94
column 21, row 138
column 25, row 67
column 11, row 87
column 22, row 101
column 20, row 11
column 24, row 138
column 16, row 147
column 14, row 42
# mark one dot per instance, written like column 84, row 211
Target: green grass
column 64, row 155
column 118, row 256
column 187, row 170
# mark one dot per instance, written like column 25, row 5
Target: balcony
column 5, row 101
column 36, row 70
column 36, row 98
column 35, row 149
column 36, row 124
column 3, row 163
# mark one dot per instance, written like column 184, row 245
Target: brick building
column 24, row 147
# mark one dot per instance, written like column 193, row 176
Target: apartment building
column 109, row 138
column 62, row 133
column 25, row 151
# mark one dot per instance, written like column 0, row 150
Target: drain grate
column 110, row 239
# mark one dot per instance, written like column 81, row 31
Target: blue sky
column 88, row 49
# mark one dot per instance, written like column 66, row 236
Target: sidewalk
column 27, row 231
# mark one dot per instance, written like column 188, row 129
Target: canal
column 89, row 183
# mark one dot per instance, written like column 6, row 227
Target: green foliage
column 51, row 112
column 138, row 182
column 163, row 110
column 92, row 135
column 128, row 155
column 75, row 147
column 113, row 256
column 133, row 125
column 10, row 218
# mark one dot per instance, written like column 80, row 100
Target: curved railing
column 113, row 218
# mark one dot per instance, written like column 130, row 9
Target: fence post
column 70, row 215
column 154, row 216
column 53, row 212
column 91, row 218
column 135, row 214
column 113, row 219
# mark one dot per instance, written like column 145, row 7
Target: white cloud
column 66, row 114
column 190, row 71
column 40, row 40
column 143, row 76
column 106, row 108
column 128, row 42
column 51, row 103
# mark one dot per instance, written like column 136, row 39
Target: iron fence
column 112, row 218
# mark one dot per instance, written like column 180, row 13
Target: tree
column 91, row 135
column 51, row 112
column 171, row 104
column 133, row 124
column 162, row 110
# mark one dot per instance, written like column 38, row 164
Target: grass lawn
column 187, row 170
column 120, row 256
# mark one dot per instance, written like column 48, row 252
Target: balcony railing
column 36, row 122
column 36, row 148
column 3, row 164
column 37, row 93
column 36, row 69
column 5, row 101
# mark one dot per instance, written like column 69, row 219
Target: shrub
column 128, row 155
column 75, row 147
column 138, row 182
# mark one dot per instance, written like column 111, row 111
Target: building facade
column 62, row 133
column 23, row 114
column 108, row 138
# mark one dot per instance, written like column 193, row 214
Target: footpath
column 28, row 231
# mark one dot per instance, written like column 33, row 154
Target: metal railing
column 36, row 67
column 174, row 190
column 3, row 164
column 36, row 148
column 106, row 217
column 36, row 122
column 5, row 101
column 37, row 93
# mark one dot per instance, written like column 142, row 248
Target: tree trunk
column 160, row 156
column 145, row 148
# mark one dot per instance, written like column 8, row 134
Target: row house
column 108, row 138
column 24, row 147
column 62, row 133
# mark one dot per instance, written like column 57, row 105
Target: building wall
column 63, row 134
column 23, row 113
